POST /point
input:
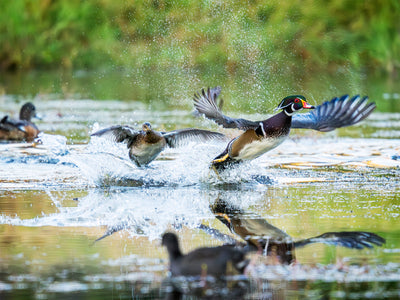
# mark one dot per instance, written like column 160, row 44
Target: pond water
column 58, row 197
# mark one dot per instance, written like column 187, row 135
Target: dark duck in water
column 262, row 136
column 22, row 129
column 146, row 144
column 213, row 261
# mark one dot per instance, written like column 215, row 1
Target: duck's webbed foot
column 224, row 163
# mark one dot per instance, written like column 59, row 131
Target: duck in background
column 261, row 136
column 20, row 130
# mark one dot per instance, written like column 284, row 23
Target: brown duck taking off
column 146, row 144
column 262, row 136
column 22, row 129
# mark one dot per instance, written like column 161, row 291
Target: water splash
column 55, row 144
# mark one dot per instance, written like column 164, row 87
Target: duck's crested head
column 27, row 112
column 146, row 127
column 293, row 103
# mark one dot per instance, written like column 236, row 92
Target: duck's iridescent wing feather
column 336, row 113
column 206, row 103
column 348, row 239
column 182, row 137
column 118, row 133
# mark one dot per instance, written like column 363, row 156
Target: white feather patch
column 258, row 148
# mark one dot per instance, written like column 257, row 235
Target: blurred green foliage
column 232, row 36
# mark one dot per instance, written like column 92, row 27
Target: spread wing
column 181, row 137
column 118, row 133
column 336, row 113
column 339, row 112
column 205, row 103
column 348, row 239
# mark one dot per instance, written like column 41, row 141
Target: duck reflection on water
column 261, row 236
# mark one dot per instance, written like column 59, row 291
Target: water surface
column 58, row 197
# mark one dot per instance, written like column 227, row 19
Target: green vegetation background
column 232, row 36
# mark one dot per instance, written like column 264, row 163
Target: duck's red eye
column 297, row 100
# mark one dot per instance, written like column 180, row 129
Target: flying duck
column 214, row 261
column 22, row 129
column 262, row 136
column 146, row 144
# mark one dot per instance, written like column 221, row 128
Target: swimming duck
column 22, row 129
column 260, row 235
column 146, row 144
column 214, row 261
column 262, row 136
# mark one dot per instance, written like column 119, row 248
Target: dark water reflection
column 58, row 198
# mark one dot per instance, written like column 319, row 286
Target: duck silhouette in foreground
column 259, row 235
column 22, row 129
column 214, row 261
column 146, row 144
column 261, row 136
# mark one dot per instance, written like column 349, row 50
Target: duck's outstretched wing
column 336, row 113
column 206, row 104
column 181, row 137
column 348, row 239
column 118, row 133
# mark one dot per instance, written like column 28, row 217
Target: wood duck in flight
column 261, row 136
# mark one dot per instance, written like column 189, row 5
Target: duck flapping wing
column 205, row 103
column 118, row 133
column 336, row 113
column 182, row 137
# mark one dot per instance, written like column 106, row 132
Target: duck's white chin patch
column 258, row 148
